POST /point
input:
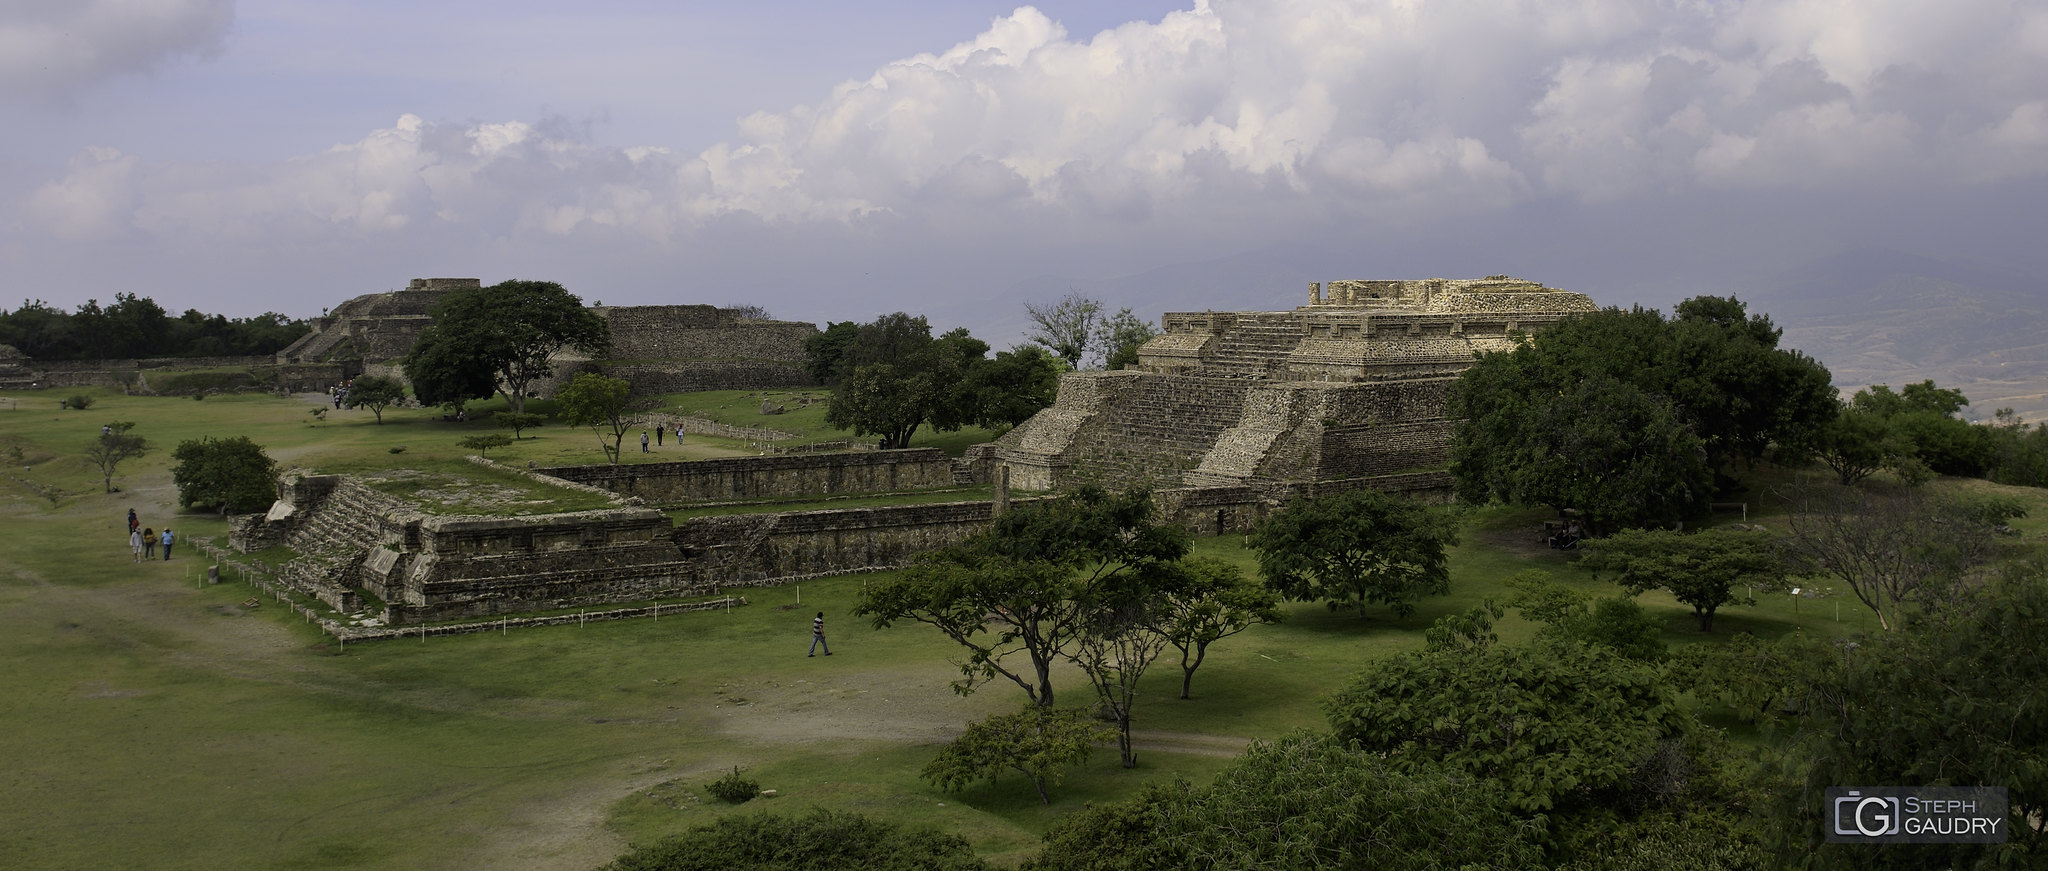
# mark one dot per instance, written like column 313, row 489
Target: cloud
column 56, row 49
column 1237, row 120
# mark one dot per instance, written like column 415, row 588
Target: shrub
column 819, row 839
column 484, row 443
column 80, row 402
column 733, row 788
column 397, row 449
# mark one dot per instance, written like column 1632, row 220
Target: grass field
column 153, row 722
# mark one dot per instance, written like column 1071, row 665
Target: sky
column 836, row 161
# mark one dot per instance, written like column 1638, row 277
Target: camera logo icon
column 1870, row 816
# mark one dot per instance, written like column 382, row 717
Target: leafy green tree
column 1121, row 335
column 1566, row 614
column 1036, row 742
column 896, row 377
column 1856, row 444
column 1357, row 548
column 1922, row 430
column 1023, row 588
column 518, row 421
column 1753, row 677
column 1619, row 456
column 820, row 839
column 1070, row 328
column 510, row 330
column 1702, row 570
column 1212, row 601
column 115, row 446
column 1550, row 724
column 824, row 351
column 375, row 392
column 1627, row 415
column 600, row 402
column 1008, row 390
column 233, row 474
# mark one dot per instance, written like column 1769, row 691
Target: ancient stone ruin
column 1346, row 391
column 1226, row 417
column 656, row 348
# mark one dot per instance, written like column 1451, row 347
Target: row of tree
column 136, row 326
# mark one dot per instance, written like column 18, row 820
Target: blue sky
column 833, row 160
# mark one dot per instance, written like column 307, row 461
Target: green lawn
column 152, row 722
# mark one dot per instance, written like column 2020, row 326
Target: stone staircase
column 1255, row 346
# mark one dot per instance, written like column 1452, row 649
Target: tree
column 374, row 392
column 600, row 402
column 509, row 330
column 1670, row 403
column 1023, row 586
column 1120, row 336
column 1548, row 724
column 114, row 447
column 1617, row 455
column 896, row 377
column 819, row 839
column 1702, row 570
column 1070, row 328
column 1115, row 649
column 1896, row 550
column 1857, row 443
column 1008, row 390
column 1035, row 742
column 233, row 474
column 1566, row 614
column 1213, row 601
column 824, row 350
column 1354, row 548
column 484, row 443
column 1922, row 430
column 517, row 421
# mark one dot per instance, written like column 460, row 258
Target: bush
column 733, row 788
column 80, row 402
column 819, row 839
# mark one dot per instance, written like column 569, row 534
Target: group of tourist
column 339, row 392
column 142, row 540
column 660, row 431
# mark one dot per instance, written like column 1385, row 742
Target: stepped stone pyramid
column 1346, row 391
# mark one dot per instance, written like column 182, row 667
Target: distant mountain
column 1884, row 317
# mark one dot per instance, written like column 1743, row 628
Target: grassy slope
column 153, row 723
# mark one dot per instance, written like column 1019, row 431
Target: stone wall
column 743, row 478
column 764, row 549
column 701, row 332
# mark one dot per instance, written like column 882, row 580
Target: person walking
column 643, row 441
column 135, row 542
column 818, row 636
column 659, row 431
column 131, row 520
column 148, row 543
column 168, row 538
